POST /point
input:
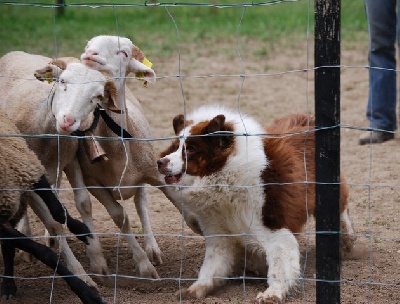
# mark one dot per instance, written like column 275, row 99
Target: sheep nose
column 91, row 53
column 68, row 121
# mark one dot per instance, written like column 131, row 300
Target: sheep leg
column 24, row 227
column 49, row 258
column 120, row 218
column 58, row 211
column 94, row 252
column 150, row 243
column 56, row 229
column 8, row 287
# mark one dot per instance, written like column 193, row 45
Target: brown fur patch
column 292, row 160
column 208, row 154
column 292, row 120
column 204, row 154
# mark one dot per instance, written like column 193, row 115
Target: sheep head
column 117, row 56
column 78, row 91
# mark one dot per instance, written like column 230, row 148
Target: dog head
column 202, row 149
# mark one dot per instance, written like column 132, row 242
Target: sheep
column 43, row 108
column 21, row 170
column 116, row 57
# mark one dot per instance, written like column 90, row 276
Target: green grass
column 156, row 29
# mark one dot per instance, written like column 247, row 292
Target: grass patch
column 35, row 28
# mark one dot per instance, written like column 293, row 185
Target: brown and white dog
column 247, row 191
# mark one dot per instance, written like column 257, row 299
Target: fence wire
column 266, row 79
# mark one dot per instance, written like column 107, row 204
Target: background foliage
column 35, row 27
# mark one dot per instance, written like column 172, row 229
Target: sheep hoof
column 148, row 271
column 154, row 254
column 24, row 256
column 8, row 297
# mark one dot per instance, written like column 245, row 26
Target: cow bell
column 94, row 150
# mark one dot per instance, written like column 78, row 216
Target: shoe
column 374, row 137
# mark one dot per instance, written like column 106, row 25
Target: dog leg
column 283, row 259
column 218, row 263
column 347, row 237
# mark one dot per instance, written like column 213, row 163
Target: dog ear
column 178, row 123
column 216, row 124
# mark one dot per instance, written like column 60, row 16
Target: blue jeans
column 382, row 27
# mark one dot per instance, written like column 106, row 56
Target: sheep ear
column 48, row 73
column 137, row 53
column 59, row 63
column 140, row 66
column 111, row 94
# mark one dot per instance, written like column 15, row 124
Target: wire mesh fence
column 255, row 57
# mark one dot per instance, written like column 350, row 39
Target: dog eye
column 190, row 149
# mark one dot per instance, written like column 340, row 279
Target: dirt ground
column 277, row 84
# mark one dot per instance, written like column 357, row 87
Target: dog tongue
column 172, row 179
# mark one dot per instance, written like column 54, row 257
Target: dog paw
column 192, row 292
column 185, row 294
column 262, row 298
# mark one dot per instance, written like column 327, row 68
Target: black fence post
column 60, row 9
column 327, row 153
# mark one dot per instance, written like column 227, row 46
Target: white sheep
column 131, row 164
column 39, row 108
column 22, row 171
column 119, row 57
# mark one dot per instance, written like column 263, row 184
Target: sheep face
column 117, row 56
column 77, row 93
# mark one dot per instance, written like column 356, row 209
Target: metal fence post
column 327, row 153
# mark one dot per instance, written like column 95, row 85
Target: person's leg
column 381, row 108
column 398, row 53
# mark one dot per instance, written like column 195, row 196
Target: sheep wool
column 20, row 169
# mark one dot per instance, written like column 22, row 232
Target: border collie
column 247, row 189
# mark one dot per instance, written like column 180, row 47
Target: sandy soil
column 372, row 172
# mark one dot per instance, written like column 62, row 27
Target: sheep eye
column 62, row 81
column 123, row 52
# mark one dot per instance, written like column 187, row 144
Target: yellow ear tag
column 147, row 62
column 49, row 77
column 140, row 75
